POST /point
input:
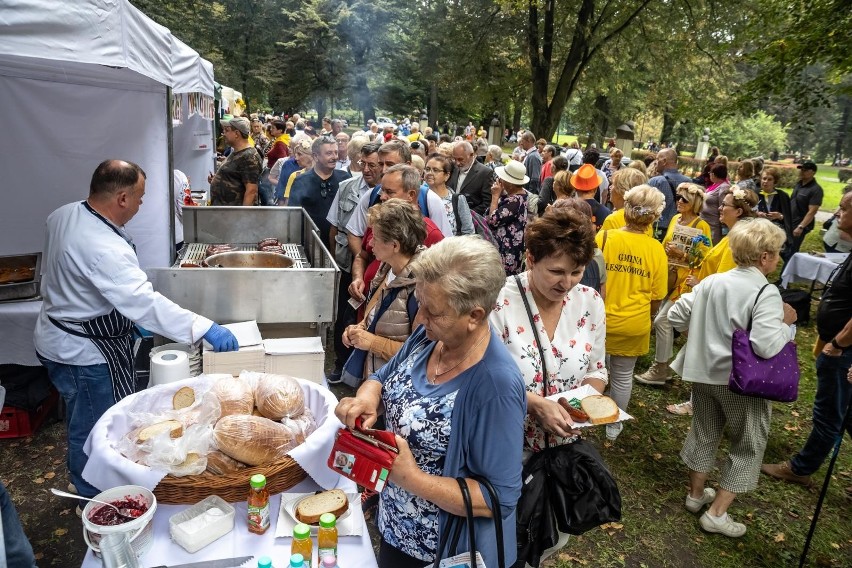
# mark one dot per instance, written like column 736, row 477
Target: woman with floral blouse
column 570, row 319
column 507, row 214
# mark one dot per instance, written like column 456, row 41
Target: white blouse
column 575, row 354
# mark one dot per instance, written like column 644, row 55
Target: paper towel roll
column 169, row 366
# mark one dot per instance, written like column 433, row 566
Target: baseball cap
column 807, row 166
column 239, row 123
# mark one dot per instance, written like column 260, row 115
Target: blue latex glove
column 221, row 338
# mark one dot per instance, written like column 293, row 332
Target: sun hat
column 514, row 172
column 586, row 178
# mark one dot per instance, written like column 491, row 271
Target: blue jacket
column 487, row 431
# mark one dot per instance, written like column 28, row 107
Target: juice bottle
column 264, row 562
column 329, row 561
column 302, row 543
column 258, row 505
column 327, row 536
column 297, row 561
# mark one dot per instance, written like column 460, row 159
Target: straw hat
column 514, row 172
column 586, row 178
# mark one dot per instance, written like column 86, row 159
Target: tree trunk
column 433, row 103
column 517, row 109
column 321, row 107
column 601, row 124
column 843, row 127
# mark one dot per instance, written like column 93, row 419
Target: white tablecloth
column 806, row 267
column 17, row 324
column 352, row 550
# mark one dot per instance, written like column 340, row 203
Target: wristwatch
column 835, row 344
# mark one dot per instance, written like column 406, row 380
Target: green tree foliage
column 748, row 136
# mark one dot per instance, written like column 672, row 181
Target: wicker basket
column 233, row 487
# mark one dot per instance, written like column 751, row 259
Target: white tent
column 82, row 82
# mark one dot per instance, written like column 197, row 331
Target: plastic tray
column 210, row 531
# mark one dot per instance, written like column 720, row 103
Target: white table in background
column 17, row 325
column 352, row 550
column 807, row 267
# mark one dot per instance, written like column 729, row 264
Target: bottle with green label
column 327, row 536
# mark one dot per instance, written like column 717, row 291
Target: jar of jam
column 258, row 505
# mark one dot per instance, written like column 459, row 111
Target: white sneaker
column 656, row 375
column 614, row 430
column 72, row 489
column 694, row 505
column 721, row 525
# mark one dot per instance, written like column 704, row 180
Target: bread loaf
column 235, row 396
column 220, row 464
column 183, row 398
column 310, row 509
column 253, row 440
column 279, row 396
column 173, row 427
column 601, row 409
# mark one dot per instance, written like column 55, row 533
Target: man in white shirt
column 93, row 291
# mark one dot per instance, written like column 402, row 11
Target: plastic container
column 327, row 536
column 302, row 543
column 116, row 551
column 209, row 526
column 139, row 531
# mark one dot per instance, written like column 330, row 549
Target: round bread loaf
column 253, row 440
column 235, row 396
column 279, row 396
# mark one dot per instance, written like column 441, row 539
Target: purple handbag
column 776, row 378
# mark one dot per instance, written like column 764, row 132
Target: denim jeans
column 18, row 553
column 87, row 392
column 830, row 403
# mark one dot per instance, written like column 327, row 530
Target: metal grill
column 195, row 253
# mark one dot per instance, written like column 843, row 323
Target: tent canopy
column 82, row 82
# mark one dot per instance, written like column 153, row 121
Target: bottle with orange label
column 258, row 505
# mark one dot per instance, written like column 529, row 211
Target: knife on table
column 224, row 563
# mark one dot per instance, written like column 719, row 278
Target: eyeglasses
column 368, row 165
column 723, row 205
column 682, row 198
column 434, row 170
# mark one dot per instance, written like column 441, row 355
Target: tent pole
column 171, row 177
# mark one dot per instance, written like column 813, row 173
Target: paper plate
column 291, row 505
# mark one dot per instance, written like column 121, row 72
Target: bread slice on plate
column 310, row 509
column 183, row 398
column 173, row 427
column 601, row 409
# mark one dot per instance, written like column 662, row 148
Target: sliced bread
column 173, row 427
column 310, row 509
column 183, row 398
column 601, row 409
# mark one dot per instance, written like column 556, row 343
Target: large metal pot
column 249, row 259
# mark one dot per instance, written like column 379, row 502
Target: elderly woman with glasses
column 636, row 267
column 435, row 174
column 716, row 307
column 689, row 199
column 455, row 399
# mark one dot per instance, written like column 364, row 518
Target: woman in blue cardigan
column 456, row 400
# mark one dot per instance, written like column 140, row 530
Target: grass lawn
column 656, row 530
column 832, row 188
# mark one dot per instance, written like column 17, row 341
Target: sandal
column 681, row 409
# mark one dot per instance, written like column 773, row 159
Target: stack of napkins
column 250, row 357
column 301, row 357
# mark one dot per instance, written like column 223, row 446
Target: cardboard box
column 233, row 362
column 302, row 357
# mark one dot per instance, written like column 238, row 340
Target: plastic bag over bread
column 253, row 439
column 279, row 396
column 235, row 395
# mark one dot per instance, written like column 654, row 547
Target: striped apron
column 112, row 335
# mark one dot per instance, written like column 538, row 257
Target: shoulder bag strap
column 471, row 529
column 497, row 513
column 751, row 318
column 455, row 199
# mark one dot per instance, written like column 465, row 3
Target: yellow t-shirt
column 636, row 274
column 615, row 220
column 683, row 272
column 719, row 259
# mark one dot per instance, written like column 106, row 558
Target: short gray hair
column 643, row 205
column 410, row 176
column 496, row 153
column 468, row 269
column 750, row 238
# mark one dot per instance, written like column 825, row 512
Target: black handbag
column 454, row 525
column 567, row 488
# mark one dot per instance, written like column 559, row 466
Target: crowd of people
column 470, row 280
